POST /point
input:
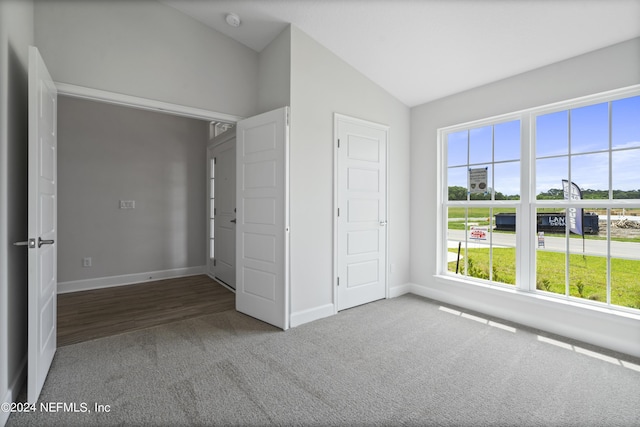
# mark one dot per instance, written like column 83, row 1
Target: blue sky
column 588, row 128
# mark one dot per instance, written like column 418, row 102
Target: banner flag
column 574, row 215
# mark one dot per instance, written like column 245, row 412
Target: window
column 483, row 175
column 548, row 200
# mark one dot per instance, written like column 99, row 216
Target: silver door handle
column 233, row 220
column 383, row 223
column 44, row 242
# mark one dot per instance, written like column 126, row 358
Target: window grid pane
column 588, row 252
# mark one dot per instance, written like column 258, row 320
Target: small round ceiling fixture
column 233, row 20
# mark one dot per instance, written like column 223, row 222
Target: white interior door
column 42, row 226
column 262, row 238
column 224, row 209
column 362, row 217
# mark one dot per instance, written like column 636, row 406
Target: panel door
column 362, row 220
column 42, row 224
column 224, row 222
column 262, row 238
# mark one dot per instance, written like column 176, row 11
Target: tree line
column 457, row 192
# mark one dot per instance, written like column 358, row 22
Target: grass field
column 587, row 275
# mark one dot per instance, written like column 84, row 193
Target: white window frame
column 528, row 204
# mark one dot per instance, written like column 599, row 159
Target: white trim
column 127, row 279
column 311, row 314
column 612, row 329
column 14, row 389
column 82, row 92
column 400, row 290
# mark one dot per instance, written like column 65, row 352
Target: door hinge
column 287, row 117
column 215, row 160
column 214, row 211
column 338, row 281
column 338, row 211
column 338, row 142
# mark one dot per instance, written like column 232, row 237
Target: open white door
column 362, row 216
column 42, row 226
column 262, row 235
column 222, row 208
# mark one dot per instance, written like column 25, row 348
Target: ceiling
column 421, row 50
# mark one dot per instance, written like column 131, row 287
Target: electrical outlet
column 86, row 262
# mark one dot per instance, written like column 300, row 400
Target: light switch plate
column 127, row 204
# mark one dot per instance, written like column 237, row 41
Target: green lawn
column 587, row 275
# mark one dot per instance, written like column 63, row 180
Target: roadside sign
column 478, row 233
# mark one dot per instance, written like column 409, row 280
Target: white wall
column 16, row 34
column 274, row 73
column 610, row 68
column 146, row 49
column 108, row 153
column 321, row 85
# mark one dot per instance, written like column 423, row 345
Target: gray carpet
column 405, row 361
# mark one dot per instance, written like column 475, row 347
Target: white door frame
column 342, row 117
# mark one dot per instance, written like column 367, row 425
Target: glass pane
column 212, row 249
column 551, row 251
column 625, row 257
column 549, row 176
column 457, row 183
column 457, row 144
column 507, row 181
column 480, row 145
column 590, row 128
column 479, row 187
column 211, row 228
column 212, row 206
column 506, row 144
column 212, row 186
column 456, row 235
column 590, row 172
column 625, row 125
column 503, row 247
column 624, row 168
column 552, row 134
column 588, row 259
column 212, row 168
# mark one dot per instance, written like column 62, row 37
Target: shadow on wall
column 17, row 173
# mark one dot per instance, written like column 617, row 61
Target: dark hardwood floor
column 87, row 315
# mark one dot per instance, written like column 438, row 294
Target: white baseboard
column 396, row 291
column 14, row 389
column 306, row 316
column 127, row 279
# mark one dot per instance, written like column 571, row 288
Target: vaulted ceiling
column 421, row 50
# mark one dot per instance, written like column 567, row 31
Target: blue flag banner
column 574, row 215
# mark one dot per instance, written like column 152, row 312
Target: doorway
column 221, row 209
column 361, row 216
